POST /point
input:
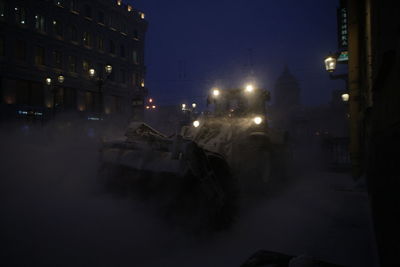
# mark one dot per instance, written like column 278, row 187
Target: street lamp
column 330, row 63
column 61, row 79
column 92, row 73
column 100, row 81
column 108, row 69
column 48, row 81
column 345, row 97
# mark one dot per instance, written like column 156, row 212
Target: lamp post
column 53, row 89
column 100, row 82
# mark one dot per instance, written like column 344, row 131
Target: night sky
column 192, row 45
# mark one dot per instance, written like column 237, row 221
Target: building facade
column 48, row 48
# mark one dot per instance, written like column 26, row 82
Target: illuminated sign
column 343, row 26
column 344, row 56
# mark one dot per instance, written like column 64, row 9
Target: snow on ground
column 53, row 214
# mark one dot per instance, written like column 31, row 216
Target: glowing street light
column 61, row 79
column 345, row 97
column 92, row 73
column 196, row 124
column 48, row 81
column 183, row 106
column 108, row 69
column 249, row 88
column 258, row 120
column 194, row 105
column 330, row 63
column 216, row 92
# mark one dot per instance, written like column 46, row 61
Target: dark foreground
column 53, row 213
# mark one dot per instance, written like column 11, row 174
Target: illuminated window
column 39, row 55
column 20, row 15
column 58, row 28
column 129, row 8
column 40, row 23
column 58, row 62
column 20, row 50
column 119, row 2
column 87, row 39
column 142, row 15
column 72, row 64
column 85, row 67
column 2, row 9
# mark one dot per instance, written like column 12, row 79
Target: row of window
column 21, row 17
column 33, row 94
column 39, row 52
column 88, row 39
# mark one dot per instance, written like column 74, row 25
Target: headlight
column 216, row 92
column 258, row 120
column 196, row 124
column 249, row 88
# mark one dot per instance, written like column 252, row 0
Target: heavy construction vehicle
column 193, row 186
column 238, row 129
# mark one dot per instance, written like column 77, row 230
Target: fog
column 55, row 213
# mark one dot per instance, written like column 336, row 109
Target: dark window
column 58, row 29
column 123, row 76
column 39, row 55
column 40, row 23
column 136, row 34
column 73, row 33
column 2, row 46
column 74, row 5
column 112, row 47
column 87, row 39
column 88, row 11
column 2, row 9
column 58, row 62
column 20, row 50
column 92, row 101
column 135, row 57
column 69, row 98
column 112, row 75
column 72, row 64
column 122, row 50
column 100, row 43
column 20, row 15
column 29, row 93
column 100, row 69
column 123, row 28
column 101, row 17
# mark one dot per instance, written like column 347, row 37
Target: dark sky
column 192, row 45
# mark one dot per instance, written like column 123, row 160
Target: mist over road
column 54, row 213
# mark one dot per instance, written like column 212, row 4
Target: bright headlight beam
column 258, row 120
column 249, row 88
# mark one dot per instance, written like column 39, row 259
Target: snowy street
column 53, row 214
